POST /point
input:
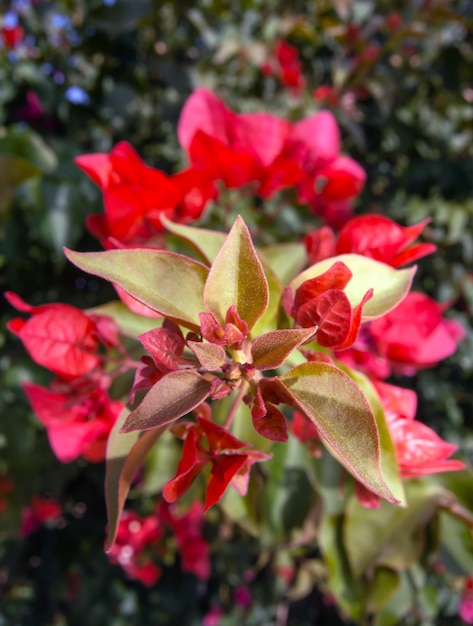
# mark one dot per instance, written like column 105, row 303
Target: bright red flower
column 380, row 238
column 40, row 511
column 420, row 451
column 288, row 68
column 238, row 149
column 187, row 529
column 77, row 421
column 326, row 94
column 398, row 402
column 373, row 236
column 133, row 545
column 136, row 195
column 61, row 337
column 465, row 608
column 12, row 36
column 314, row 144
column 415, row 335
column 230, row 460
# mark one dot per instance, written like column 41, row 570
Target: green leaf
column 390, row 536
column 286, row 259
column 125, row 455
column 389, row 462
column 345, row 587
column 237, row 278
column 23, row 155
column 271, row 350
column 343, row 417
column 169, row 283
column 176, row 394
column 129, row 323
column 390, row 285
column 381, row 588
column 269, row 318
column 205, row 242
column 457, row 541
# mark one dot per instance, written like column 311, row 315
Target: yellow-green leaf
column 169, row 283
column 344, row 419
column 237, row 278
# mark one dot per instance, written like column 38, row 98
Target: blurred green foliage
column 90, row 73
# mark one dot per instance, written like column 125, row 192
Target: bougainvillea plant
column 250, row 352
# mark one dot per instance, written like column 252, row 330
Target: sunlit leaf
column 168, row 283
column 344, row 419
column 205, row 242
column 390, row 285
column 271, row 350
column 171, row 397
column 128, row 322
column 286, row 259
column 237, row 278
column 389, row 463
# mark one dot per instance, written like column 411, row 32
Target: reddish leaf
column 270, row 350
column 272, row 424
column 331, row 311
column 336, row 277
column 173, row 396
column 165, row 346
column 355, row 322
column 211, row 356
column 219, row 438
column 224, row 468
column 189, row 467
column 62, row 339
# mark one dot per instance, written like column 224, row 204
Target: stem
column 236, row 404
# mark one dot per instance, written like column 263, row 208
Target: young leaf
column 272, row 349
column 237, row 278
column 343, row 417
column 171, row 397
column 169, row 283
column 125, row 455
column 210, row 355
column 390, row 285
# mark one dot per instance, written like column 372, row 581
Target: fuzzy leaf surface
column 169, row 283
column 171, row 397
column 210, row 355
column 272, row 349
column 390, row 285
column 237, row 278
column 343, row 417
